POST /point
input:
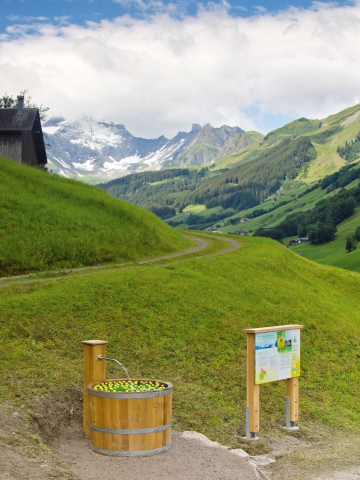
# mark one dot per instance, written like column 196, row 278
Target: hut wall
column 28, row 150
column 10, row 146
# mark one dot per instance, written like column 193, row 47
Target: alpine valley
column 231, row 181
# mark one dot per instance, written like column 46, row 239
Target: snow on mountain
column 96, row 151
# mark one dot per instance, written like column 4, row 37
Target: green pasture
column 182, row 321
column 334, row 253
column 47, row 221
column 276, row 216
column 194, row 209
column 295, row 204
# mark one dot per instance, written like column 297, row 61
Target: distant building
column 244, row 220
column 21, row 136
column 297, row 241
column 294, row 242
column 241, row 232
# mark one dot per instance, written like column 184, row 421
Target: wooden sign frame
column 253, row 389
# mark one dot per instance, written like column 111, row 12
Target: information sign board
column 277, row 355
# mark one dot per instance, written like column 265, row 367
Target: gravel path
column 191, row 456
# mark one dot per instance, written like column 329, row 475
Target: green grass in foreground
column 184, row 323
column 47, row 221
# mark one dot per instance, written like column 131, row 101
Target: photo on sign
column 284, row 341
column 277, row 355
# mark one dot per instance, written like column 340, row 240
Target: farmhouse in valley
column 21, row 136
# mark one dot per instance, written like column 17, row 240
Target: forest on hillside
column 319, row 223
column 351, row 150
column 248, row 184
column 157, row 191
column 168, row 192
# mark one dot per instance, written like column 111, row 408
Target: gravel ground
column 191, row 456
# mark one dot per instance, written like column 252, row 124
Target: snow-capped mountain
column 93, row 151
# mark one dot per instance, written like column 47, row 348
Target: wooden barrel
column 130, row 424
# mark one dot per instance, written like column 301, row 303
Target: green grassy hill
column 50, row 222
column 334, row 253
column 183, row 322
column 179, row 319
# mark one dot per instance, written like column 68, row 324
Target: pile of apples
column 127, row 386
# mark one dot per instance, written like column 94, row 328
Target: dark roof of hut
column 11, row 120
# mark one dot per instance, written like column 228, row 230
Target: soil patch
column 47, row 442
column 314, row 452
column 23, row 455
column 191, row 456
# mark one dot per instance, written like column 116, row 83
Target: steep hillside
column 249, row 183
column 183, row 322
column 242, row 186
column 238, row 143
column 208, row 145
column 51, row 222
column 158, row 190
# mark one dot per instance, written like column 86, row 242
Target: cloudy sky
column 157, row 66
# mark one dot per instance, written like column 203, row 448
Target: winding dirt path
column 202, row 244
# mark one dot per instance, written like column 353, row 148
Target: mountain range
column 97, row 151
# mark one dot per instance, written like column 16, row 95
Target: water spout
column 100, row 357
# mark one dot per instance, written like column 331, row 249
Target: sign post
column 292, row 403
column 253, row 391
column 273, row 353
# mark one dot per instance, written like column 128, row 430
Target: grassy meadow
column 47, row 221
column 179, row 319
column 182, row 321
column 334, row 253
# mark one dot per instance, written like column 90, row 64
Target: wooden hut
column 21, row 136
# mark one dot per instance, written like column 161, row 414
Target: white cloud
column 160, row 75
column 27, row 19
column 151, row 7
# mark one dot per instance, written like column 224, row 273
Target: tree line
column 341, row 178
column 145, row 177
column 318, row 224
column 351, row 150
